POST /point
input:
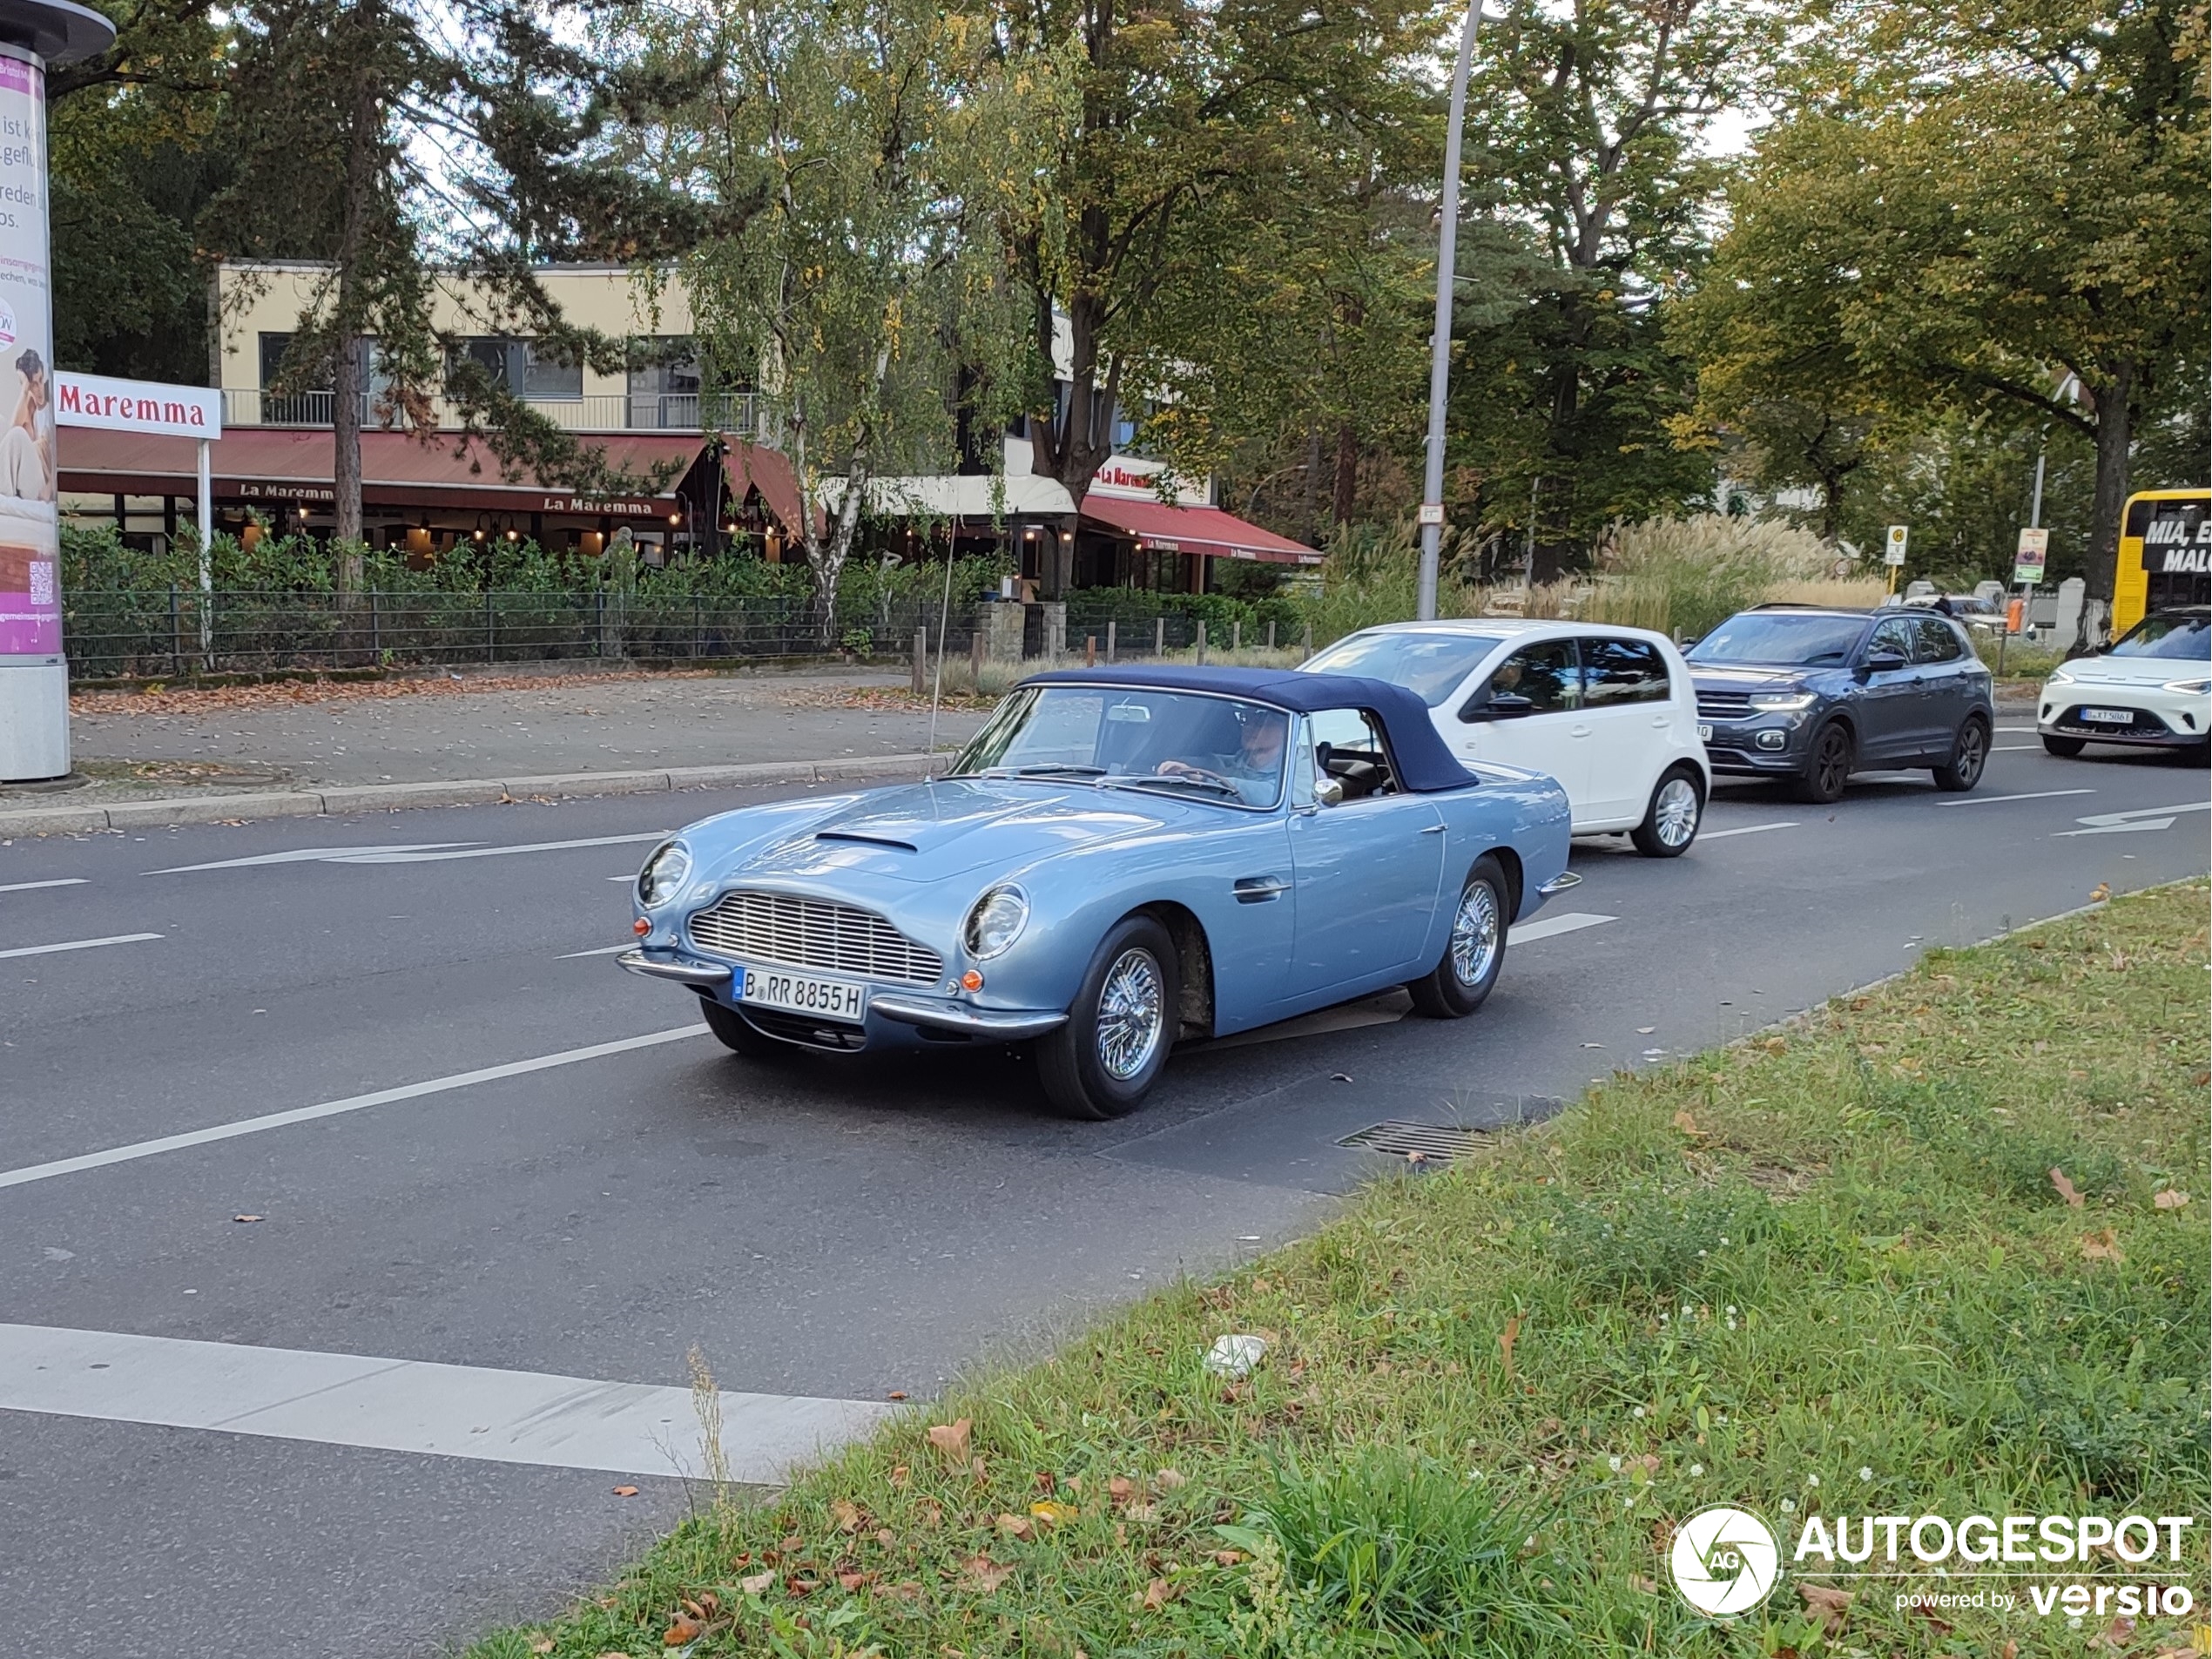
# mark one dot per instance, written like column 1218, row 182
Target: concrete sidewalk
column 260, row 751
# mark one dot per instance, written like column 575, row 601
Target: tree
column 1147, row 140
column 359, row 122
column 1990, row 199
column 1585, row 128
column 846, row 135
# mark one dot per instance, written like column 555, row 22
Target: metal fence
column 735, row 413
column 167, row 633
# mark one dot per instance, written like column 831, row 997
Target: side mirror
column 1882, row 662
column 1503, row 705
column 1328, row 792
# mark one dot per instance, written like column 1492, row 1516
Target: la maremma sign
column 137, row 406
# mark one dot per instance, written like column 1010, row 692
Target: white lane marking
column 2018, row 730
column 621, row 878
column 79, row 944
column 334, row 1108
column 2143, row 818
column 603, row 950
column 413, row 1405
column 1999, row 801
column 2013, row 748
column 29, row 887
column 306, row 855
column 1747, row 829
column 395, row 856
column 1572, row 922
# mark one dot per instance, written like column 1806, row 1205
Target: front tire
column 1105, row 1059
column 1969, row 754
column 1827, row 766
column 738, row 1033
column 1670, row 822
column 1474, row 952
column 2065, row 748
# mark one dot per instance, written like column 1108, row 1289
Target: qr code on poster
column 42, row 581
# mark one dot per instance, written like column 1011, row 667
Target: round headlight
column 663, row 874
column 996, row 922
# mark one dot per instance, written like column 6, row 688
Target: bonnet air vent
column 865, row 841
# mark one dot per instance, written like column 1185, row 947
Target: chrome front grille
column 793, row 932
column 1724, row 705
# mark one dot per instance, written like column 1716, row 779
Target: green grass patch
column 1823, row 1270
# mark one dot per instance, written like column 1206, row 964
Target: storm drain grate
column 1426, row 1142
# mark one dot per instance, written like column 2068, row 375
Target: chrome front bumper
column 1004, row 1024
column 1551, row 889
column 665, row 964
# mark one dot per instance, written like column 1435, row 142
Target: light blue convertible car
column 1122, row 858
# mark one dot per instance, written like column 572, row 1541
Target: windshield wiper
column 1169, row 780
column 1038, row 772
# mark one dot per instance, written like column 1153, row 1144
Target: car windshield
column 1208, row 748
column 1431, row 665
column 1786, row 639
column 2188, row 637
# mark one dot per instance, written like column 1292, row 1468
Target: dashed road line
column 415, row 1406
column 1999, row 801
column 80, row 944
column 32, row 887
column 1550, row 927
column 214, row 1132
column 1747, row 829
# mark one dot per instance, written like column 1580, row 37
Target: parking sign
column 2027, row 563
column 1894, row 553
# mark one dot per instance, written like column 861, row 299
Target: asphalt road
column 820, row 1231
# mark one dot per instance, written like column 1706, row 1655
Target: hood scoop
column 860, row 838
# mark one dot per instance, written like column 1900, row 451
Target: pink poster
column 30, row 603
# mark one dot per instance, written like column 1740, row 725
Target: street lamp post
column 1440, row 352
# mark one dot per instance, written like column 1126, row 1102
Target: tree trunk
column 346, row 473
column 1344, row 498
column 1072, row 444
column 2115, row 431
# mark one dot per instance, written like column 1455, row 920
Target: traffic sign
column 1432, row 512
column 2034, row 550
column 1894, row 553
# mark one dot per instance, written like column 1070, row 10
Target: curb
column 342, row 800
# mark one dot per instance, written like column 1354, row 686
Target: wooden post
column 975, row 660
column 921, row 661
column 1159, row 636
column 1271, row 636
column 1202, row 641
column 1090, row 650
column 1236, row 635
column 1309, row 638
column 1110, row 629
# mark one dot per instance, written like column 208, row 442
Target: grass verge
column 1826, row 1270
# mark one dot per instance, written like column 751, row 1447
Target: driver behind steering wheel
column 1254, row 769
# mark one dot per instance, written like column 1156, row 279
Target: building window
column 519, row 366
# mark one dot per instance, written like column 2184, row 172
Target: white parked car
column 2151, row 688
column 1608, row 711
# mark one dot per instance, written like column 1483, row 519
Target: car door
column 1367, row 869
column 1946, row 682
column 1629, row 705
column 1549, row 733
column 1888, row 704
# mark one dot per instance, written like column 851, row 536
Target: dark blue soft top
column 1424, row 762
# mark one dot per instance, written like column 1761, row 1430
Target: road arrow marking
column 2143, row 818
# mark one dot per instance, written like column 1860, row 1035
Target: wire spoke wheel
column 1475, row 935
column 1132, row 1013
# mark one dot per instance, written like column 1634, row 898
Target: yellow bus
column 2165, row 555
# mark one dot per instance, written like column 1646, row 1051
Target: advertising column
column 34, row 679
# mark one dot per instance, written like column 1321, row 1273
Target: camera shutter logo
column 1725, row 1561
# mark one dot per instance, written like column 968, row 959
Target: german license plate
column 2109, row 716
column 804, row 994
column 1704, row 734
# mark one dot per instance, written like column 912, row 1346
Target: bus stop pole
column 206, row 506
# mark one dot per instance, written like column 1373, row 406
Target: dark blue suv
column 1811, row 694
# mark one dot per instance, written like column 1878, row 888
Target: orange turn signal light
column 641, row 927
column 971, row 980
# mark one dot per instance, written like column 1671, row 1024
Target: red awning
column 282, row 464
column 1194, row 529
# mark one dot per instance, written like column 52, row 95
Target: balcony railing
column 736, row 413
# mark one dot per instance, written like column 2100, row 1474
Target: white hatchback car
column 2151, row 688
column 1608, row 711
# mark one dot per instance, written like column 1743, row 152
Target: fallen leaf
column 678, row 1633
column 543, row 1644
column 2065, row 1188
column 899, row 1475
column 758, row 1582
column 951, row 1439
column 1638, row 1581
column 886, row 1537
column 852, row 1581
column 1227, row 1557
column 981, row 1574
column 1942, row 1625
column 1054, row 1515
column 848, row 1515
column 1507, row 1338
column 1687, row 1124
column 1158, row 1595
column 2170, row 1199
column 625, row 1492
column 1017, row 1527
column 1119, row 1490
column 975, row 1467
column 2097, row 895
column 1831, row 1606
column 896, row 1393
column 2101, row 1247
column 246, row 1217
column 1169, row 1480
column 2117, row 1634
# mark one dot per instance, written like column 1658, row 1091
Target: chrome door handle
column 1433, row 829
column 1259, row 889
